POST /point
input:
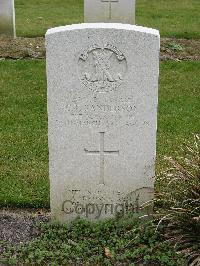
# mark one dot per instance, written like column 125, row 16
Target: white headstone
column 102, row 113
column 119, row 11
column 7, row 18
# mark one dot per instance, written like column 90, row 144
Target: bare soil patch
column 22, row 48
column 171, row 48
column 19, row 226
column 180, row 49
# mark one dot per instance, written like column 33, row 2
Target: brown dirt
column 35, row 48
column 190, row 49
column 19, row 226
column 22, row 48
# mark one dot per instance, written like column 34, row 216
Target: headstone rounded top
column 102, row 118
column 118, row 26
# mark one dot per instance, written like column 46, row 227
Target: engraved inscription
column 105, row 111
column 102, row 69
column 110, row 6
column 102, row 154
column 97, row 204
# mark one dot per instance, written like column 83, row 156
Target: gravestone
column 119, row 11
column 102, row 109
column 7, row 18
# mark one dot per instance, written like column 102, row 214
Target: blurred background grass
column 174, row 18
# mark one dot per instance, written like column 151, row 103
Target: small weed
column 175, row 47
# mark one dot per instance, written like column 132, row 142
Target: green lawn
column 179, row 108
column 179, row 18
column 23, row 146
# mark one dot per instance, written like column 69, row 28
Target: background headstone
column 119, row 11
column 7, row 18
column 102, row 118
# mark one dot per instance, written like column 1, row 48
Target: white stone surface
column 7, row 18
column 119, row 11
column 102, row 118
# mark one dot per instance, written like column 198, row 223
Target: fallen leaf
column 107, row 253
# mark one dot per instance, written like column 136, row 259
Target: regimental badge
column 102, row 69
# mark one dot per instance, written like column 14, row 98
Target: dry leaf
column 107, row 253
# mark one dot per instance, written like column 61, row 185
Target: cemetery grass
column 23, row 147
column 174, row 18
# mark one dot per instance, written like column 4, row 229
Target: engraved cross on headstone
column 102, row 154
column 110, row 5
